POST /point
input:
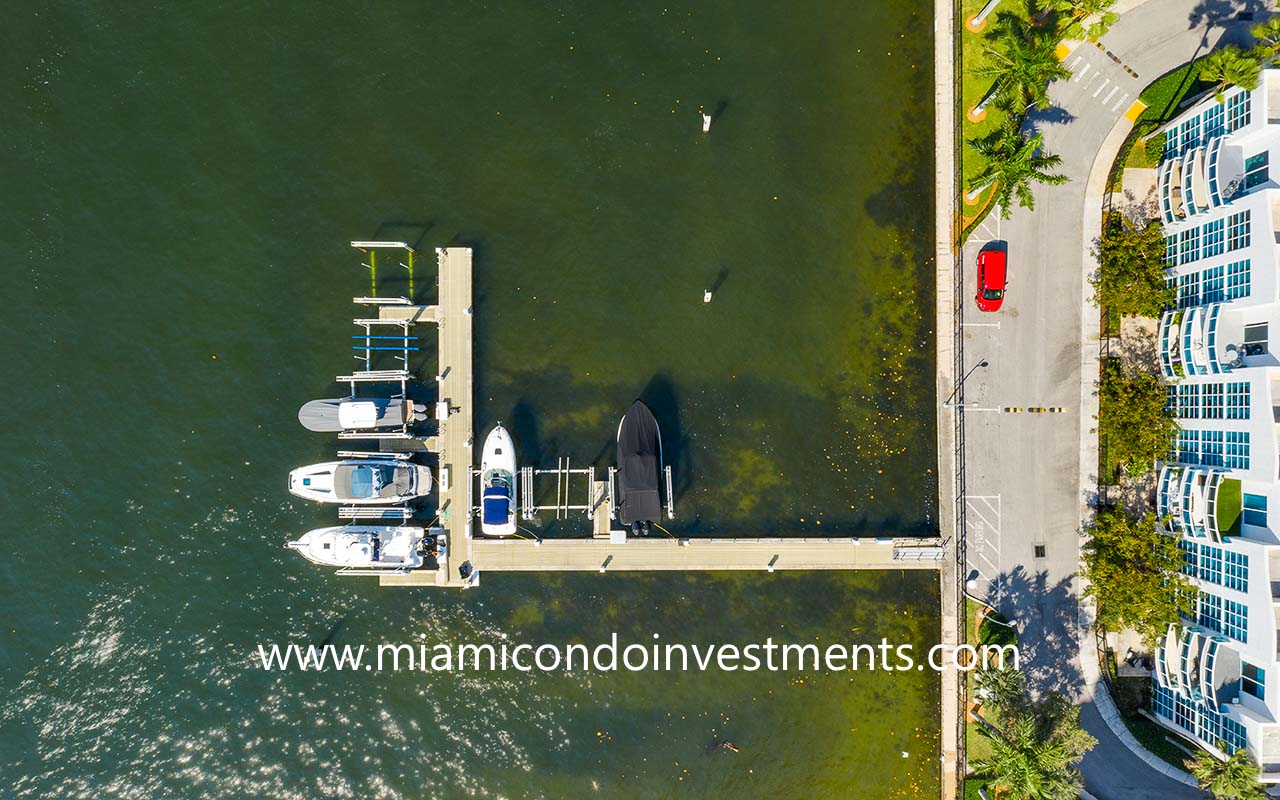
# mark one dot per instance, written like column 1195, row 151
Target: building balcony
column 1199, row 666
column 1196, row 341
column 1169, row 183
column 1198, row 502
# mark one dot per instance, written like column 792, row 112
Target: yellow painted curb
column 1135, row 110
column 1062, row 51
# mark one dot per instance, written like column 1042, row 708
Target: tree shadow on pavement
column 1047, row 618
column 1221, row 12
column 1040, row 118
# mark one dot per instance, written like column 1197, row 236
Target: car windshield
column 992, row 294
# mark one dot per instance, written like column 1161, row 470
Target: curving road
column 1027, row 478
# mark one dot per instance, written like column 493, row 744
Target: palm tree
column 1231, row 66
column 1021, row 59
column 1233, row 779
column 1003, row 690
column 1014, row 162
column 1268, row 33
column 1024, row 765
column 1075, row 13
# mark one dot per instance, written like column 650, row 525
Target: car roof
column 993, row 268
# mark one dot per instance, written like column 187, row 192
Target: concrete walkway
column 1025, row 504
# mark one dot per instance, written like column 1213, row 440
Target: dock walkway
column 650, row 554
column 454, row 441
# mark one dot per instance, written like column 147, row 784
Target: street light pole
column 948, row 403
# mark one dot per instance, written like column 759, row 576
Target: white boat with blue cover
column 363, row 546
column 498, row 484
column 361, row 482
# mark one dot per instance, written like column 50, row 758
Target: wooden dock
column 456, row 436
column 665, row 554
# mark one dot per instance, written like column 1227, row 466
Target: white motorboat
column 360, row 414
column 498, row 484
column 363, row 546
column 361, row 482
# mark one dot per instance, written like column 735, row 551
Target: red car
column 991, row 280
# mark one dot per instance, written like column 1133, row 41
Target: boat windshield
column 366, row 481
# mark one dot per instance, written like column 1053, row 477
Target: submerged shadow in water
column 660, row 396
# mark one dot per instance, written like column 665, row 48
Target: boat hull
column 361, row 482
column 639, row 466
column 362, row 547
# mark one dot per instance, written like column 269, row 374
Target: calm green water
column 181, row 183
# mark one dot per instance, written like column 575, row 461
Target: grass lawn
column 1229, row 507
column 971, row 788
column 972, row 90
column 1165, row 95
column 1158, row 740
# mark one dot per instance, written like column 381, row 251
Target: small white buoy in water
column 706, row 296
column 905, row 754
column 706, row 123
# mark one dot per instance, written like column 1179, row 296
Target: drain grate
column 1039, row 549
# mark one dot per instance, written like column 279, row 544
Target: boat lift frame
column 402, row 345
column 372, row 248
column 563, row 505
column 613, row 493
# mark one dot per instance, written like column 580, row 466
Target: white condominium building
column 1218, row 675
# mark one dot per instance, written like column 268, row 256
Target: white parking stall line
column 1074, row 62
column 984, row 533
column 980, row 324
column 1101, row 86
column 1120, row 103
column 1110, row 94
column 1082, row 73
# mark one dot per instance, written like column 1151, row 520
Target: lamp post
column 948, row 403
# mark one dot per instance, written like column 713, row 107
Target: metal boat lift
column 393, row 335
column 564, row 503
column 613, row 493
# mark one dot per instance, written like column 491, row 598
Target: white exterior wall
column 1202, row 344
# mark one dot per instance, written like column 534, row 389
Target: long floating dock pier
column 454, row 411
